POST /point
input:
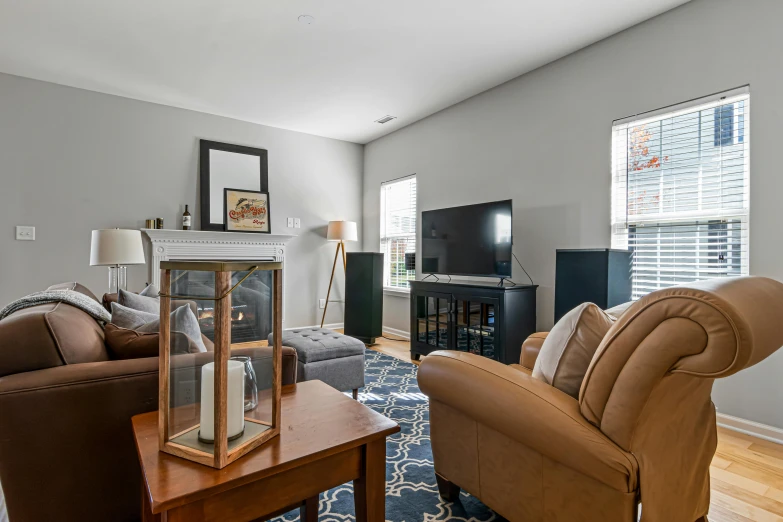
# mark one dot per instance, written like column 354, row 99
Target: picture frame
column 223, row 165
column 246, row 211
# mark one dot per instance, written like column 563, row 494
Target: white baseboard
column 331, row 326
column 339, row 326
column 398, row 333
column 755, row 429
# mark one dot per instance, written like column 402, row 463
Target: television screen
column 470, row 240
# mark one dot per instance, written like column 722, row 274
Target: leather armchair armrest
column 530, row 348
column 527, row 410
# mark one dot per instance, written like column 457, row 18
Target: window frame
column 625, row 228
column 388, row 289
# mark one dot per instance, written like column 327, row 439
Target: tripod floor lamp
column 340, row 231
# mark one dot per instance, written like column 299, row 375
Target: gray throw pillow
column 150, row 291
column 129, row 318
column 139, row 302
column 182, row 320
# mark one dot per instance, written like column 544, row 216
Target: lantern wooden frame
column 221, row 455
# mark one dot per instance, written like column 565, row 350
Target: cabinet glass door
column 475, row 325
column 432, row 323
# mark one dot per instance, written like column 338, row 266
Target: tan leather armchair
column 643, row 429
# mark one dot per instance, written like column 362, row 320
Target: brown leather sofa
column 66, row 447
column 642, row 431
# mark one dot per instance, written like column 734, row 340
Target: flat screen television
column 473, row 240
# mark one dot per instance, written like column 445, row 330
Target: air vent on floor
column 386, row 119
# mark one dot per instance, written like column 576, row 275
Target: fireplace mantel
column 163, row 245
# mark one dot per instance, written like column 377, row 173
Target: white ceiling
column 252, row 60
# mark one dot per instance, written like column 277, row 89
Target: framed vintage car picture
column 246, row 211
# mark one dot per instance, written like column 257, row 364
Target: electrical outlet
column 290, row 222
column 322, row 303
column 297, row 223
column 187, row 390
column 25, row 233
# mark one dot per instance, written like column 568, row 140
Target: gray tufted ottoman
column 331, row 357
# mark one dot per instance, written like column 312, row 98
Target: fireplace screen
column 251, row 303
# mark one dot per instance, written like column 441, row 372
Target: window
column 398, row 230
column 680, row 191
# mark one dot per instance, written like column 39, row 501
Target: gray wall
column 72, row 161
column 544, row 138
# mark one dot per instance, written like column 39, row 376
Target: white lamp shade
column 342, row 231
column 114, row 246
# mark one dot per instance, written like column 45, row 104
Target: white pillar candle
column 236, row 400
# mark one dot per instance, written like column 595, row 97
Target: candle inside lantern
column 235, row 408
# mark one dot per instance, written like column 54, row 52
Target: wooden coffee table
column 326, row 439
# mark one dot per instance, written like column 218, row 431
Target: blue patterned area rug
column 411, row 492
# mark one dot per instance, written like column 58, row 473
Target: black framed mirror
column 221, row 166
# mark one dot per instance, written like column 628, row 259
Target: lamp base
column 118, row 278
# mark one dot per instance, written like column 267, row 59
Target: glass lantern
column 219, row 400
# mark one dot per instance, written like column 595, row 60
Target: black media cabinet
column 480, row 318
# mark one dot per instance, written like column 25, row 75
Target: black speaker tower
column 601, row 276
column 364, row 296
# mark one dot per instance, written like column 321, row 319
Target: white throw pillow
column 616, row 311
column 570, row 346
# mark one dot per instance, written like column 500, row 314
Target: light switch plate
column 25, row 233
column 290, row 222
column 322, row 303
column 297, row 223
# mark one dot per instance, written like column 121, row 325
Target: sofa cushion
column 320, row 344
column 130, row 344
column 76, row 287
column 139, row 302
column 49, row 335
column 568, row 349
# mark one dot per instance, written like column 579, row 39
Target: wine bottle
column 186, row 219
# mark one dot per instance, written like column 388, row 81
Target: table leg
column 369, row 490
column 308, row 512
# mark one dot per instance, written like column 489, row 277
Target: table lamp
column 115, row 248
column 340, row 231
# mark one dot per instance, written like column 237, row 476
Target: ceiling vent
column 386, row 119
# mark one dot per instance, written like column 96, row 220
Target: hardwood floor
column 395, row 346
column 746, row 473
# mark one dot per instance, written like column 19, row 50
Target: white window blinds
column 680, row 191
column 398, row 229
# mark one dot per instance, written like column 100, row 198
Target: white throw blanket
column 79, row 300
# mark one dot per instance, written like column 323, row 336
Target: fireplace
column 251, row 321
column 251, row 303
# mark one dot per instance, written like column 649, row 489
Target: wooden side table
column 326, row 439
